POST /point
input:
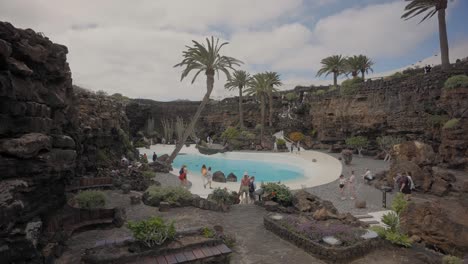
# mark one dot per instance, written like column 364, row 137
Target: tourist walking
column 209, row 177
column 292, row 148
column 244, row 188
column 163, row 141
column 145, row 158
column 155, row 157
column 298, row 147
column 183, row 177
column 342, row 182
column 405, row 187
column 252, row 187
column 203, row 173
column 351, row 186
column 275, row 146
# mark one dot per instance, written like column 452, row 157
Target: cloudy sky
column 130, row 47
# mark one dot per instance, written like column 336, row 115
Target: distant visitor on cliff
column 124, row 161
column 427, row 69
column 154, row 156
column 163, row 141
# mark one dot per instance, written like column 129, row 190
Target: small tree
column 358, row 142
column 230, row 133
column 386, row 144
column 291, row 96
column 296, row 136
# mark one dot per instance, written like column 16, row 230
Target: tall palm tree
column 365, row 65
column 274, row 80
column 416, row 7
column 333, row 64
column 238, row 80
column 258, row 87
column 203, row 58
column 353, row 65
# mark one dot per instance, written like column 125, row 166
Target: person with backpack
column 155, row 157
column 405, row 187
column 252, row 187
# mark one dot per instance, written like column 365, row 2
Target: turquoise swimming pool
column 262, row 170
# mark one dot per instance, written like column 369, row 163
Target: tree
column 416, row 7
column 238, row 80
column 258, row 86
column 386, row 144
column 296, row 136
column 353, row 65
column 333, row 64
column 274, row 80
column 358, row 142
column 365, row 65
column 203, row 58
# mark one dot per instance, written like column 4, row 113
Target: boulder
column 360, row 204
column 5, row 49
column 231, row 177
column 440, row 187
column 442, row 225
column 347, row 156
column 135, row 199
column 414, row 151
column 126, row 188
column 27, row 146
column 323, row 214
column 331, row 240
column 218, row 176
column 304, row 201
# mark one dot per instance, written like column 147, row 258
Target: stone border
column 334, row 254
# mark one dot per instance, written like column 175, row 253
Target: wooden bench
column 188, row 256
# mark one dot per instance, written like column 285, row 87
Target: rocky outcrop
column 37, row 150
column 441, row 225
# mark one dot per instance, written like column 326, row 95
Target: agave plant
column 239, row 80
column 417, row 7
column 207, row 59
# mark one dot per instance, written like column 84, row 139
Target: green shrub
column 320, row 92
column 230, row 133
column 247, row 135
column 449, row 259
column 313, row 132
column 280, row 193
column 153, row 231
column 392, row 221
column 451, row 123
column 149, row 174
column 291, row 96
column 457, row 81
column 170, row 194
column 91, row 199
column 398, row 238
column 280, row 142
column 102, row 158
column 221, row 196
column 258, row 127
column 350, row 86
column 398, row 75
column 139, row 144
column 208, row 232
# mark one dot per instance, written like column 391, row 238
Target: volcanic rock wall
column 37, row 152
column 50, row 134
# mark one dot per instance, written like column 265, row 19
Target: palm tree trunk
column 188, row 131
column 444, row 49
column 241, row 113
column 362, row 75
column 262, row 122
column 335, row 78
column 270, row 114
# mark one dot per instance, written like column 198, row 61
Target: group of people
column 405, row 184
column 247, row 188
column 350, row 183
column 296, row 145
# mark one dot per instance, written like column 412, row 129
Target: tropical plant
column 353, row 65
column 151, row 232
column 457, row 81
column 416, row 7
column 333, row 64
column 358, row 142
column 280, row 142
column 386, row 144
column 239, row 80
column 230, row 133
column 365, row 65
column 207, row 59
column 258, row 86
column 180, row 127
column 90, row 199
column 149, row 174
column 273, row 80
column 221, row 196
column 168, row 129
column 208, row 232
column 451, row 123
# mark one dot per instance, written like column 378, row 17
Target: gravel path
column 370, row 194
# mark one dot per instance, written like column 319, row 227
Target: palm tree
column 353, row 65
column 239, row 80
column 365, row 65
column 203, row 58
column 258, row 86
column 274, row 80
column 416, row 7
column 333, row 64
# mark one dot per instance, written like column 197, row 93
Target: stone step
column 363, row 216
column 371, row 222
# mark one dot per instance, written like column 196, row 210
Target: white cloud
column 130, row 47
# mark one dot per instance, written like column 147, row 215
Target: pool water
column 262, row 170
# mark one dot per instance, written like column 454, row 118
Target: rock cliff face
column 37, row 152
column 50, row 134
